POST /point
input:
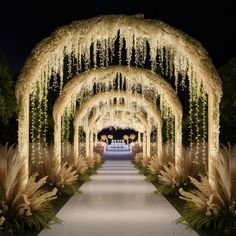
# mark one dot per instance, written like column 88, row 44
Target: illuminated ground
column 118, row 201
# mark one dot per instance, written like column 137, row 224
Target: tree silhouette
column 8, row 118
column 228, row 104
column 7, row 97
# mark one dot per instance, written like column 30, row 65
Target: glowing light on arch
column 105, row 121
column 125, row 124
column 139, row 125
column 164, row 90
column 188, row 57
column 121, row 120
column 147, row 104
column 132, row 76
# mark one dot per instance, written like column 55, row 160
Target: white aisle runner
column 118, row 202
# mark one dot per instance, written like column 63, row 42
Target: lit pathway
column 118, row 201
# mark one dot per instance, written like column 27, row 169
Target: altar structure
column 118, row 145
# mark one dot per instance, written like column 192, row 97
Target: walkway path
column 118, row 201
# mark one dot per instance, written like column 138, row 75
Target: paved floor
column 118, row 202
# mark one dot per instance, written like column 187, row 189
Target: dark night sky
column 25, row 23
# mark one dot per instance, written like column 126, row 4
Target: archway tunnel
column 118, row 85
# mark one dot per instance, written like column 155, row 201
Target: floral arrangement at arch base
column 22, row 205
column 213, row 206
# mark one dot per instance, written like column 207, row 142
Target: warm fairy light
column 33, row 129
column 204, row 117
column 79, row 84
column 171, row 52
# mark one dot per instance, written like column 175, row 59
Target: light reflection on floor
column 118, row 202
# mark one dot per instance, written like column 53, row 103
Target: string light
column 120, row 49
column 39, row 118
column 191, row 113
column 196, row 102
column 33, row 128
column 171, row 62
column 45, row 113
column 167, row 61
column 204, row 102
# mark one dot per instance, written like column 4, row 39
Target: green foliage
column 143, row 170
column 228, row 104
column 168, row 190
column 7, row 97
column 152, row 178
column 91, row 171
column 200, row 221
column 68, row 189
column 197, row 219
column 85, row 177
column 38, row 220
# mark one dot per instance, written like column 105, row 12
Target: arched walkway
column 78, row 61
column 186, row 57
column 131, row 74
column 95, row 101
column 130, row 118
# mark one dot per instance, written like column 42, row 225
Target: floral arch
column 140, row 125
column 167, row 96
column 118, row 117
column 130, row 118
column 169, row 51
column 106, row 99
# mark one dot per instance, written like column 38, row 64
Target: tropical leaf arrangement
column 151, row 166
column 145, row 161
column 22, row 204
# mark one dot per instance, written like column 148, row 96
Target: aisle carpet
column 118, row 201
